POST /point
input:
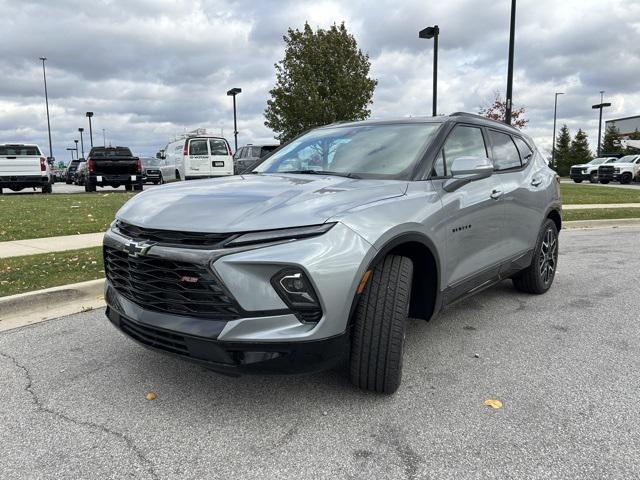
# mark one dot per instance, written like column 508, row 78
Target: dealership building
column 626, row 126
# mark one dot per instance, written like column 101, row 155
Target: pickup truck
column 24, row 166
column 627, row 169
column 112, row 166
column 589, row 171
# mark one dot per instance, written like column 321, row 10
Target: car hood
column 583, row 165
column 253, row 202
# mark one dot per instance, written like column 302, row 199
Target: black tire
column 137, row 187
column 377, row 342
column 626, row 178
column 89, row 187
column 593, row 177
column 1, row 192
column 538, row 277
column 128, row 187
column 177, row 176
column 68, row 182
column 47, row 188
column 577, row 180
column 604, row 182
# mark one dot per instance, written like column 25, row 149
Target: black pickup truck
column 112, row 166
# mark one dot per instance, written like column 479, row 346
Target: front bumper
column 579, row 176
column 334, row 263
column 235, row 358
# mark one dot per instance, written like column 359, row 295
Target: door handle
column 496, row 194
column 535, row 182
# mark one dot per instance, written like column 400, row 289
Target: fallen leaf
column 495, row 404
column 151, row 396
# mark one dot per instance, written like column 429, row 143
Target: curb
column 589, row 224
column 32, row 307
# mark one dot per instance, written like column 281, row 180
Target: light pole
column 46, row 100
column 555, row 114
column 512, row 35
column 89, row 115
column 600, row 106
column 72, row 150
column 104, row 139
column 81, row 141
column 233, row 92
column 77, row 154
column 433, row 32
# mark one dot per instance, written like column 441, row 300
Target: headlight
column 584, row 170
column 283, row 234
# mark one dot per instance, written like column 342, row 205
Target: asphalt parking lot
column 64, row 188
column 565, row 365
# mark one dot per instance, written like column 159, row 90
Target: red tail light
column 43, row 165
column 139, row 165
column 184, row 151
column 90, row 166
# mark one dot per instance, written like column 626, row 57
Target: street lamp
column 512, row 35
column 104, row 138
column 233, row 92
column 81, row 141
column 555, row 113
column 433, row 32
column 46, row 100
column 89, row 115
column 72, row 150
column 77, row 155
column 600, row 106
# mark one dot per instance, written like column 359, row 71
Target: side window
column 438, row 166
column 505, row 153
column 245, row 152
column 525, row 151
column 237, row 154
column 218, row 146
column 255, row 152
column 464, row 141
column 198, row 147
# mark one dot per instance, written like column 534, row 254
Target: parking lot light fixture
column 232, row 93
column 428, row 33
column 600, row 106
column 89, row 115
column 46, row 100
column 72, row 149
column 81, row 141
column 77, row 155
column 553, row 145
column 512, row 41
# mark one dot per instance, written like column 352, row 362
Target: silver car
column 317, row 258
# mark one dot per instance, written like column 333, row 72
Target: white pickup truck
column 24, row 166
column 627, row 169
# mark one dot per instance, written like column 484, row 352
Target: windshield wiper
column 323, row 172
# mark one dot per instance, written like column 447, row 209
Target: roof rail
column 475, row 115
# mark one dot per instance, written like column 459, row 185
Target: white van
column 199, row 155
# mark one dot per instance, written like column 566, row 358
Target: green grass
column 590, row 194
column 35, row 272
column 37, row 216
column 600, row 214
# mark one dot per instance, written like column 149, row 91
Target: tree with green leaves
column 580, row 152
column 563, row 152
column 323, row 78
column 611, row 136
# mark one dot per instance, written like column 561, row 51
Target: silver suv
column 317, row 257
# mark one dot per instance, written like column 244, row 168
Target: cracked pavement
column 565, row 365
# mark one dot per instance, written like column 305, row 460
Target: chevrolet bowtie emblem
column 138, row 249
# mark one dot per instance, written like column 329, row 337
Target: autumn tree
column 498, row 111
column 563, row 152
column 323, row 78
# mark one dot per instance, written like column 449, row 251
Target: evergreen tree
column 611, row 135
column 563, row 152
column 323, row 78
column 580, row 152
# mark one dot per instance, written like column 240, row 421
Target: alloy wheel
column 548, row 258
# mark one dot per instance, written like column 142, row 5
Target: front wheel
column 377, row 344
column 577, row 180
column 538, row 277
column 604, row 182
column 593, row 177
column 626, row 178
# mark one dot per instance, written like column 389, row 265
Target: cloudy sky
column 150, row 69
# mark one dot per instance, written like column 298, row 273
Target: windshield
column 597, row 161
column 372, row 151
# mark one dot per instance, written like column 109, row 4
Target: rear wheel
column 90, row 187
column 626, row 178
column 577, row 180
column 128, row 187
column 538, row 277
column 137, row 187
column 177, row 175
column 604, row 182
column 379, row 328
column 47, row 188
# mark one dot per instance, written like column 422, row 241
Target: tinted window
column 525, row 152
column 463, row 142
column 505, row 153
column 218, row 146
column 267, row 149
column 19, row 150
column 255, row 152
column 198, row 147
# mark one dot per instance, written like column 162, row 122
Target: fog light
column 296, row 291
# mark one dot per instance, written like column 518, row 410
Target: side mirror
column 468, row 169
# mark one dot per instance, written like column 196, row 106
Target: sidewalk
column 600, row 205
column 18, row 248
